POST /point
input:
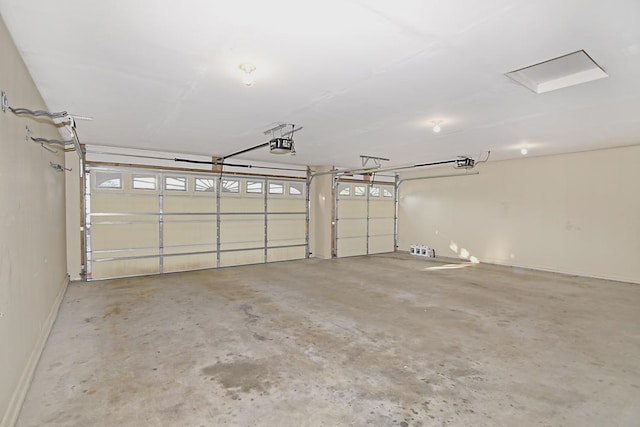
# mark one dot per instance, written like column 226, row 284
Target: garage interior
column 342, row 213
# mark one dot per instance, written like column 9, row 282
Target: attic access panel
column 557, row 73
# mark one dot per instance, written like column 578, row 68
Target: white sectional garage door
column 365, row 218
column 145, row 221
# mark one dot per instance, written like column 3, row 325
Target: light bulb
column 248, row 69
column 436, row 128
column 524, row 151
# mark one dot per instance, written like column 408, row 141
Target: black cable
column 444, row 162
column 246, row 150
column 236, row 165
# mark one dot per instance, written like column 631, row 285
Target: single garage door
column 364, row 218
column 148, row 221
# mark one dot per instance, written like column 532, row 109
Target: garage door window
column 295, row 189
column 230, row 186
column 108, row 180
column 254, row 187
column 344, row 189
column 276, row 188
column 174, row 183
column 205, row 184
column 144, row 182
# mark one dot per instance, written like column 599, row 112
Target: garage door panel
column 238, row 204
column 124, row 204
column 106, row 219
column 244, row 230
column 285, row 242
column 101, row 254
column 285, row 254
column 381, row 244
column 123, row 268
column 189, row 262
column 124, row 236
column 228, row 259
column 286, row 205
column 352, row 227
column 352, row 247
column 185, row 233
column 381, row 226
column 382, row 208
column 285, row 228
column 352, row 208
column 189, row 204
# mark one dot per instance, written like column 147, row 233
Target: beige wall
column 575, row 213
column 72, row 197
column 32, row 234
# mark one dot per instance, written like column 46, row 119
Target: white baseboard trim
column 15, row 405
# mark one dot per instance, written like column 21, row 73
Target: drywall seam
column 15, row 405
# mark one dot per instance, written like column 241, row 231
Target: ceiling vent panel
column 568, row 70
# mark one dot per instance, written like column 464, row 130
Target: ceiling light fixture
column 248, row 69
column 524, row 151
column 436, row 125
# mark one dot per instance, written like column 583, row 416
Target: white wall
column 575, row 213
column 32, row 234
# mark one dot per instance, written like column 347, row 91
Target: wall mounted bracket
column 376, row 160
column 4, row 102
column 59, row 167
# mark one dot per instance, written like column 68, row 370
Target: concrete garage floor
column 386, row 340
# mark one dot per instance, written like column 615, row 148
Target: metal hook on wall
column 42, row 141
column 53, row 141
column 59, row 167
column 49, row 149
column 62, row 117
column 4, row 104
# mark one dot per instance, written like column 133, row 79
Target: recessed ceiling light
column 248, row 69
column 436, row 126
column 557, row 73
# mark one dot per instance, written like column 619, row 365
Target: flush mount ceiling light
column 436, row 125
column 248, row 69
column 557, row 73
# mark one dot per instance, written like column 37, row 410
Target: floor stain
column 244, row 376
column 114, row 310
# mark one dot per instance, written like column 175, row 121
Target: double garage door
column 145, row 221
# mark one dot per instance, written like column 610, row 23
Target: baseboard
column 11, row 416
column 503, row 263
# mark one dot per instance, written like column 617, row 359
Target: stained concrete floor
column 386, row 340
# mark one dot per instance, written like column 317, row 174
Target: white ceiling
column 361, row 77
